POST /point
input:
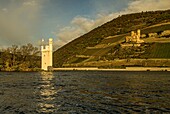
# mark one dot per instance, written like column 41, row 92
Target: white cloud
column 29, row 3
column 67, row 34
column 148, row 5
column 5, row 9
column 80, row 25
column 84, row 23
column 19, row 21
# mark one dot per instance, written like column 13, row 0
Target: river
column 76, row 92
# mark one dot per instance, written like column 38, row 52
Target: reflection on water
column 89, row 92
column 47, row 93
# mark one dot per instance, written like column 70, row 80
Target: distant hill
column 105, row 39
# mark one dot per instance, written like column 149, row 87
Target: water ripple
column 84, row 92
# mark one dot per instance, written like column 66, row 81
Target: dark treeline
column 20, row 58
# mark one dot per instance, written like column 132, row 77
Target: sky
column 29, row 21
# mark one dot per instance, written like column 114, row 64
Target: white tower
column 46, row 55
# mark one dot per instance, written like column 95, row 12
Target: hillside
column 105, row 39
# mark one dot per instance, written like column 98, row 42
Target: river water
column 75, row 92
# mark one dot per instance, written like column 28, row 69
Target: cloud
column 5, row 9
column 67, row 34
column 148, row 5
column 81, row 25
column 29, row 3
column 84, row 23
column 19, row 21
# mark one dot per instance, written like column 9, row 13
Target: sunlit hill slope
column 102, row 44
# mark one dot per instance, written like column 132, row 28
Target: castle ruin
column 134, row 38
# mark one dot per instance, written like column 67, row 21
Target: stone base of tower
column 49, row 68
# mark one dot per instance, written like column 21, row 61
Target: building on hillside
column 46, row 55
column 153, row 35
column 133, row 40
column 165, row 33
column 135, row 37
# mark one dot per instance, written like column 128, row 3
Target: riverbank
column 100, row 69
column 21, row 70
column 115, row 69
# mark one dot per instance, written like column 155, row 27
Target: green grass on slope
column 102, row 51
column 112, row 40
column 160, row 50
column 156, row 29
column 90, row 52
column 79, row 60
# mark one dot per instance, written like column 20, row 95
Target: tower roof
column 50, row 39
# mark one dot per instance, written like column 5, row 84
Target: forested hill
column 120, row 25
